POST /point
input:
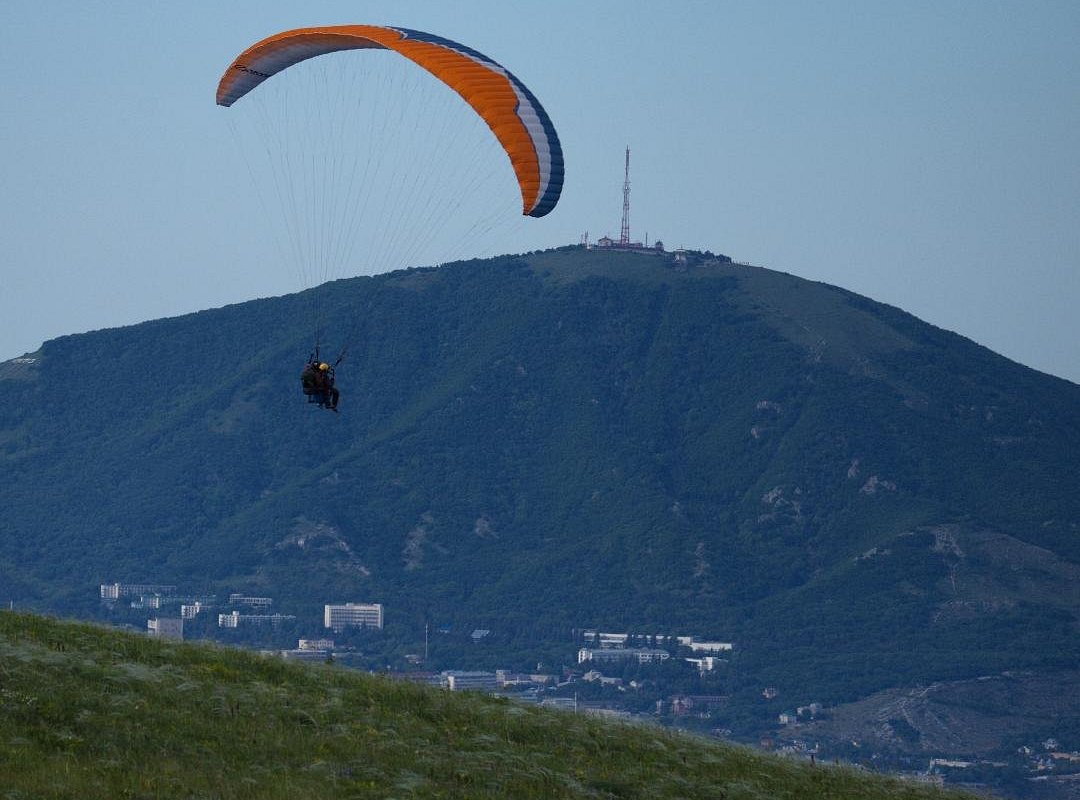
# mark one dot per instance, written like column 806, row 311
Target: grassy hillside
column 92, row 713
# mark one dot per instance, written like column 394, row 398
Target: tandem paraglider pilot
column 317, row 380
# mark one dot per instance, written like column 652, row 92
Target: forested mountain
column 568, row 439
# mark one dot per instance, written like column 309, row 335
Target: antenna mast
column 624, row 232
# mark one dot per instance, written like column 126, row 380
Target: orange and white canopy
column 510, row 110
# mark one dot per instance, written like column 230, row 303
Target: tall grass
column 93, row 713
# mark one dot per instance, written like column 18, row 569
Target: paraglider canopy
column 508, row 108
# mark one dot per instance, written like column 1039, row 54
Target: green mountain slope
column 91, row 713
column 570, row 439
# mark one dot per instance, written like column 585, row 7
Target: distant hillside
column 90, row 713
column 569, row 439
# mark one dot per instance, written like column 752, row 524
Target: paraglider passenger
column 309, row 378
column 330, row 391
column 317, row 380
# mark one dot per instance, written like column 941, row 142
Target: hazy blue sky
column 926, row 154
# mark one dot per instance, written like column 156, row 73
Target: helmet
column 324, row 367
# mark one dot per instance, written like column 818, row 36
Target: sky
column 924, row 154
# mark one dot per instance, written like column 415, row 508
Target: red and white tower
column 624, row 232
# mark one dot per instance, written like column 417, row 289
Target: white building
column 315, row 644
column 309, row 650
column 114, row 591
column 166, row 627
column 460, row 681
column 643, row 655
column 235, row 619
column 237, row 599
column 646, row 655
column 353, row 615
column 607, row 639
column 705, row 663
column 711, row 647
column 567, row 703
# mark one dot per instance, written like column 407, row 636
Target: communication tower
column 624, row 232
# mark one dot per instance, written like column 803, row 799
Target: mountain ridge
column 568, row 439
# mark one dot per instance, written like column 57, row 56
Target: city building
column 705, row 663
column 606, row 639
column 315, row 644
column 700, row 704
column 166, row 627
column 237, row 599
column 465, row 680
column 235, row 619
column 353, row 615
column 114, row 591
column 504, row 678
column 595, row 676
column 567, row 703
column 304, row 655
column 643, row 655
column 710, row 647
